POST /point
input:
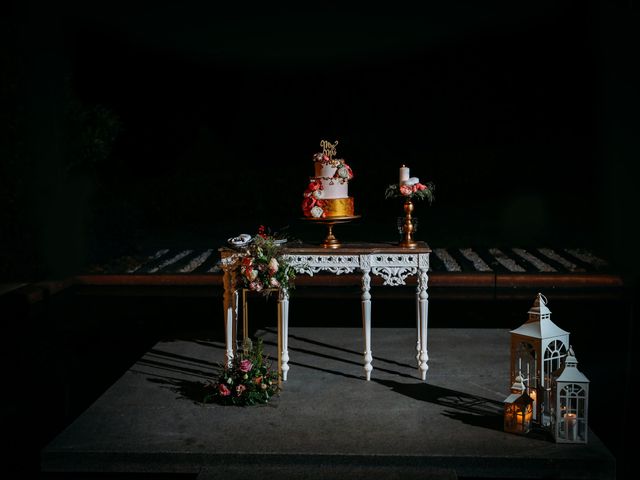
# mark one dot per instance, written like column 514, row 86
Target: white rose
column 317, row 193
column 343, row 172
column 412, row 181
column 274, row 283
column 273, row 265
column 316, row 212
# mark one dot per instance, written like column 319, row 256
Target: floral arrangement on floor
column 264, row 267
column 249, row 380
column 413, row 190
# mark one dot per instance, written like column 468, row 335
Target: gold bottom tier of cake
column 338, row 207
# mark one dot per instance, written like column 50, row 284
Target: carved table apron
column 391, row 262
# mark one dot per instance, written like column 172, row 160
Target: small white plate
column 240, row 241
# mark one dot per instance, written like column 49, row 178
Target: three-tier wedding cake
column 328, row 192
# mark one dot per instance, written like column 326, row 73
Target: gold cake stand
column 331, row 241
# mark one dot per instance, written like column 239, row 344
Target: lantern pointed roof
column 569, row 372
column 539, row 324
column 539, row 306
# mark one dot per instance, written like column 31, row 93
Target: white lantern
column 569, row 402
column 518, row 409
column 538, row 348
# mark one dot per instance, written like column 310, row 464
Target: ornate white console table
column 391, row 262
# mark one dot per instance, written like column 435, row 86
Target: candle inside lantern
column 404, row 174
column 534, row 396
column 571, row 426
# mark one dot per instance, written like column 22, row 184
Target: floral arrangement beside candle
column 410, row 188
column 249, row 380
column 263, row 268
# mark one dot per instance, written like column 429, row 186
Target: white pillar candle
column 404, row 174
column 571, row 426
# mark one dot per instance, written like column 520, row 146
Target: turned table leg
column 366, row 316
column 283, row 334
column 423, row 314
column 229, row 313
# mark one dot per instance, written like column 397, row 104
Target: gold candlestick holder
column 407, row 229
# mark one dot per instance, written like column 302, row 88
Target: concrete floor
column 327, row 416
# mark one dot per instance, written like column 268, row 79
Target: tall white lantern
column 569, row 403
column 538, row 348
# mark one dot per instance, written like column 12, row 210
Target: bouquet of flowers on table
column 249, row 380
column 264, row 268
column 413, row 191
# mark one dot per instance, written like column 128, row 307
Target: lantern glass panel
column 517, row 418
column 555, row 352
column 525, row 363
column 553, row 356
column 572, row 424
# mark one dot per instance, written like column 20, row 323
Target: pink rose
column 245, row 365
column 406, row 190
column 420, row 186
column 240, row 389
column 273, row 266
column 307, row 204
column 315, row 185
column 251, row 274
column 223, row 390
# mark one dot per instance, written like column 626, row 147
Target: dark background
column 181, row 124
column 165, row 122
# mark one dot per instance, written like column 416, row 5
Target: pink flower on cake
column 420, row 186
column 240, row 389
column 307, row 204
column 315, row 185
column 223, row 390
column 245, row 366
column 273, row 266
column 317, row 212
column 406, row 190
